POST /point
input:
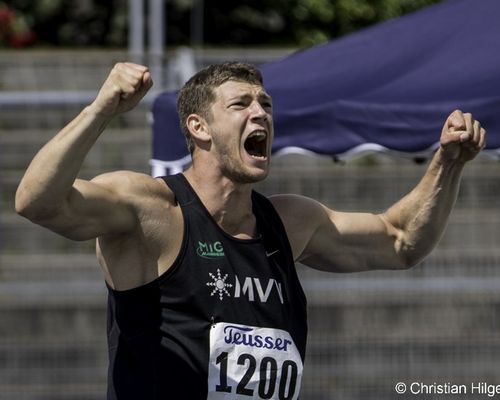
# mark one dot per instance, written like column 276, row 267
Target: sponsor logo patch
column 210, row 249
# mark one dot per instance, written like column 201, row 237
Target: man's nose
column 257, row 111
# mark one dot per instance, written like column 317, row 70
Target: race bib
column 247, row 362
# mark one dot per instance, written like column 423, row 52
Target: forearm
column 52, row 172
column 421, row 217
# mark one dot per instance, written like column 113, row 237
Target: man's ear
column 198, row 128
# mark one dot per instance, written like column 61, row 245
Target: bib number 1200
column 249, row 362
column 270, row 386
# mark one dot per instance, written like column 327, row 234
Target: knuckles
column 123, row 88
column 128, row 73
column 464, row 130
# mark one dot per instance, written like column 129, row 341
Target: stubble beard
column 236, row 173
column 233, row 168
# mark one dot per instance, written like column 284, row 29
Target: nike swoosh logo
column 271, row 253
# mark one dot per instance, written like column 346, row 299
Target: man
column 204, row 300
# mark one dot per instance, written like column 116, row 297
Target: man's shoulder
column 135, row 184
column 291, row 203
column 296, row 210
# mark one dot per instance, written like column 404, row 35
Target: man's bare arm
column 49, row 193
column 399, row 238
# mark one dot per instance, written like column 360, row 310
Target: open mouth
column 256, row 144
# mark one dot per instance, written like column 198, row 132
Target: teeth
column 259, row 135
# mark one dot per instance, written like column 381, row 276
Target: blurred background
column 438, row 322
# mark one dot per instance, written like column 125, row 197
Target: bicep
column 351, row 242
column 91, row 209
column 337, row 241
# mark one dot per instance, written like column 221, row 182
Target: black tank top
column 226, row 321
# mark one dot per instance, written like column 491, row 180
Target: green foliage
column 226, row 22
column 76, row 22
column 321, row 20
column 294, row 22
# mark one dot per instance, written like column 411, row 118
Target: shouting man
column 204, row 300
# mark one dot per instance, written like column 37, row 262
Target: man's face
column 241, row 125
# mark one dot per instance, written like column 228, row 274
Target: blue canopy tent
column 385, row 88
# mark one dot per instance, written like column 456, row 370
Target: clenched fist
column 125, row 86
column 462, row 137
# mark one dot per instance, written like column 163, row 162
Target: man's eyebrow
column 244, row 96
column 240, row 96
column 265, row 96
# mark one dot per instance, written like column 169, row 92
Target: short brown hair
column 197, row 94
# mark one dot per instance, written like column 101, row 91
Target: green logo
column 210, row 250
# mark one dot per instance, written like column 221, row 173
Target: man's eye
column 267, row 105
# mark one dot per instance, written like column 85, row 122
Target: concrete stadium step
column 45, row 361
column 61, row 369
column 411, row 291
column 41, row 311
column 23, row 237
column 55, row 268
column 323, row 385
column 53, row 340
column 57, row 69
column 125, row 148
column 54, row 391
column 54, row 295
column 415, row 319
column 38, row 137
column 43, row 116
column 427, row 360
column 84, row 69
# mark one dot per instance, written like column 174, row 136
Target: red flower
column 22, row 39
column 14, row 30
column 6, row 17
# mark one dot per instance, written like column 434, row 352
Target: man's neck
column 229, row 203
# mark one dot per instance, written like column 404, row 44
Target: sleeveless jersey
column 226, row 321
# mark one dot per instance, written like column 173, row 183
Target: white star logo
column 219, row 284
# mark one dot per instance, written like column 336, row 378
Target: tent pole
column 156, row 36
column 136, row 30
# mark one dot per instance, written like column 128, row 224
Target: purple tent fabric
column 389, row 87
